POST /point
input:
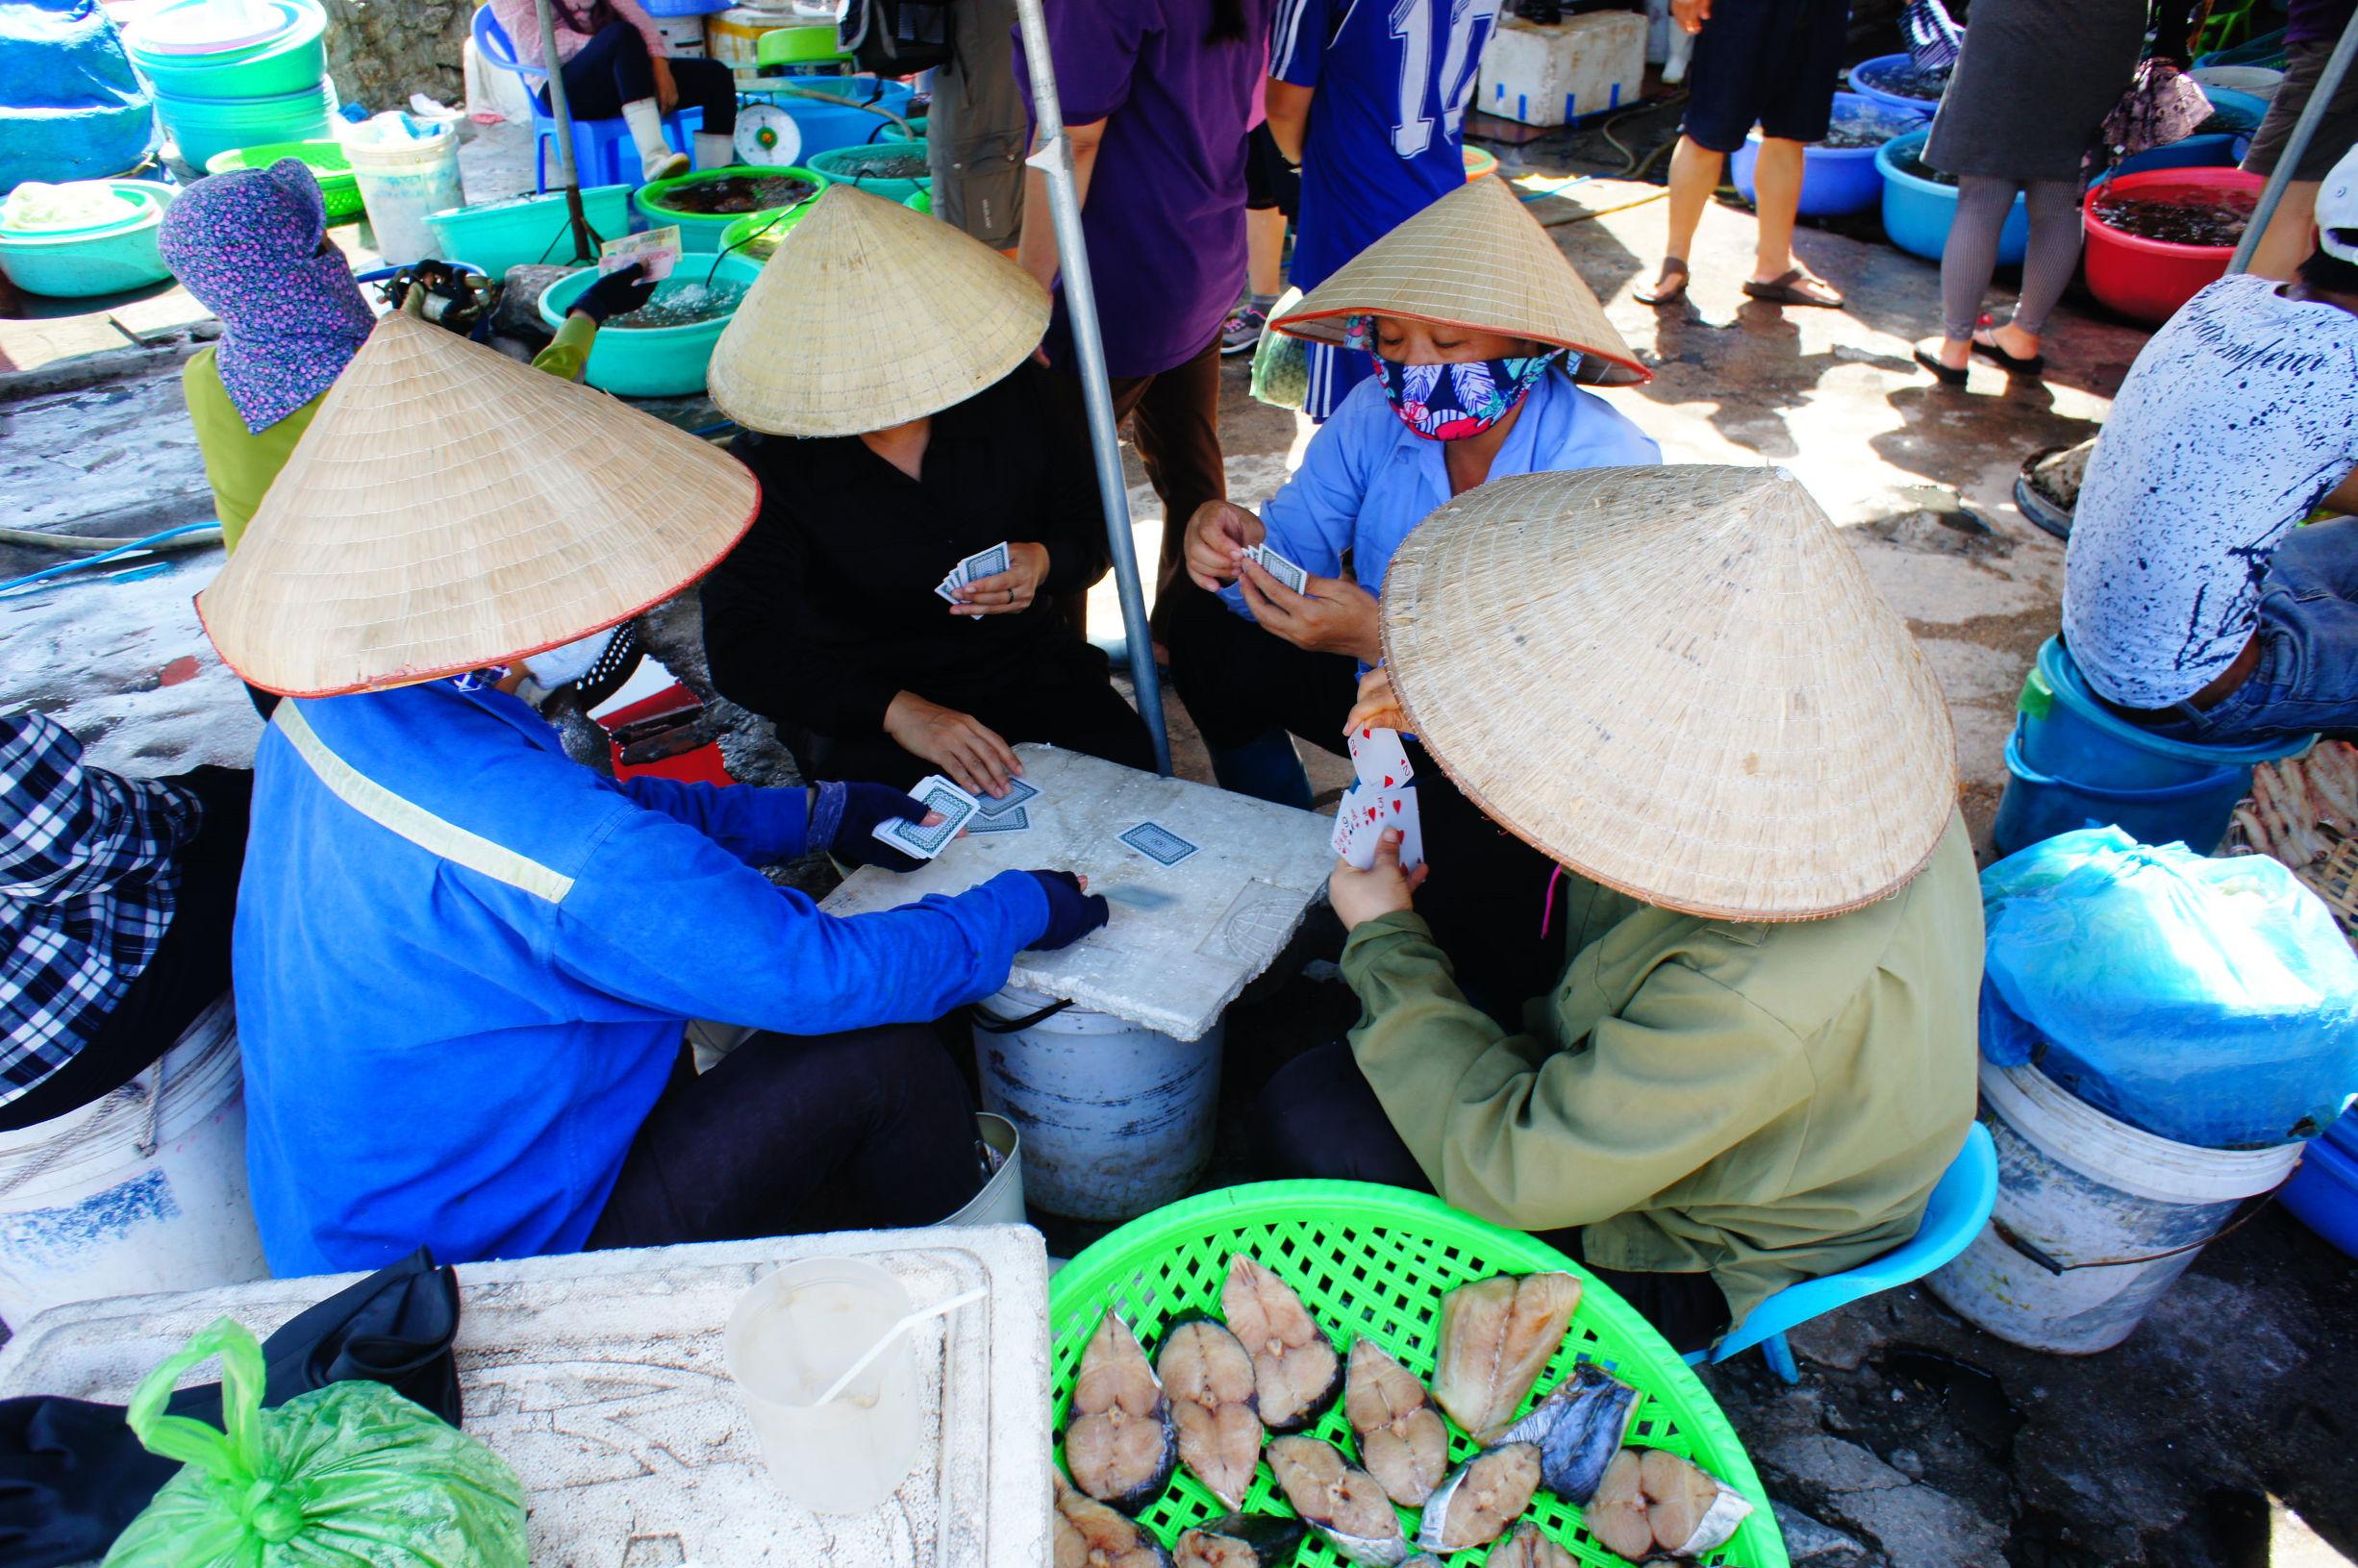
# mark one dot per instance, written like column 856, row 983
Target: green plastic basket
column 339, row 187
column 1374, row 1261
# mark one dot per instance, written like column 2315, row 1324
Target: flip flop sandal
column 1671, row 288
column 1786, row 290
column 1946, row 375
column 2012, row 364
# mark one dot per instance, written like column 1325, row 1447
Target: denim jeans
column 2306, row 682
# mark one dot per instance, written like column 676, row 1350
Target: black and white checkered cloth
column 88, row 876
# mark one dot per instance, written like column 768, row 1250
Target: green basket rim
column 1077, row 1296
column 648, row 198
column 324, row 158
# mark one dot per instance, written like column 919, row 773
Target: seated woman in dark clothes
column 882, row 369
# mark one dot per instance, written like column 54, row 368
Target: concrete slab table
column 1184, row 938
column 599, row 1378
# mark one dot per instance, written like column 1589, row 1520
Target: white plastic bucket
column 2080, row 1186
column 402, row 182
column 682, row 35
column 1001, row 1200
column 1116, row 1119
column 142, row 1191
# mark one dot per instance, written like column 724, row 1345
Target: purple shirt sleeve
column 1297, row 42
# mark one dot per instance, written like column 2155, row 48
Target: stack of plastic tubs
column 235, row 73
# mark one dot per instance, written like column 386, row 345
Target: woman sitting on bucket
column 882, row 369
column 1678, row 685
column 463, row 963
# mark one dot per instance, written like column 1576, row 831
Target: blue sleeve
column 662, row 918
column 760, row 827
column 1311, row 521
column 1611, row 437
column 1297, row 42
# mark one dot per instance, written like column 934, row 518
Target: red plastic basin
column 2150, row 279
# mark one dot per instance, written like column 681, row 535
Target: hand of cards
column 936, row 794
column 980, row 564
column 1278, row 567
column 1383, row 797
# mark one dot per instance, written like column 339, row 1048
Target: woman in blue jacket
column 463, row 964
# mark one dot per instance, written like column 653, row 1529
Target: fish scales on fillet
column 1579, row 1425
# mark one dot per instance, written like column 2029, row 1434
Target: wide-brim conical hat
column 450, row 509
column 1677, row 681
column 869, row 315
column 1474, row 258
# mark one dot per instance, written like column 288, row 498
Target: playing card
column 1158, row 843
column 1379, row 758
column 945, row 587
column 1398, row 809
column 1015, row 821
column 1017, row 792
column 1280, row 568
column 1357, row 822
column 982, row 563
column 936, row 794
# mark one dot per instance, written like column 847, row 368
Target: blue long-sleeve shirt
column 1368, row 479
column 463, row 962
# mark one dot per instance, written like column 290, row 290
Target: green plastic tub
column 339, row 187
column 853, row 166
column 1374, row 1261
column 756, row 236
column 651, row 361
column 80, row 263
column 697, row 231
column 921, row 202
column 496, row 236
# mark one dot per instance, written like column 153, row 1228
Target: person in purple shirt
column 2311, row 30
column 1156, row 96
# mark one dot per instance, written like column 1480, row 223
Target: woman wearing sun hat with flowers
column 1480, row 331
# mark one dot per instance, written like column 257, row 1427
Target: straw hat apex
column 869, row 315
column 1475, row 259
column 449, row 509
column 1677, row 681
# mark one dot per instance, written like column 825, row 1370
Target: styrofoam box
column 1562, row 71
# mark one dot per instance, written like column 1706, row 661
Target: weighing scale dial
column 766, row 134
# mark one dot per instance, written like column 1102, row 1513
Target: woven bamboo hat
column 450, row 508
column 868, row 316
column 1475, row 259
column 1677, row 681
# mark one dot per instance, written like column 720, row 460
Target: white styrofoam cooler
column 1555, row 73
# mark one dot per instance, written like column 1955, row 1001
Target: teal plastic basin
column 294, row 62
column 652, row 362
column 205, row 127
column 496, row 236
column 81, row 262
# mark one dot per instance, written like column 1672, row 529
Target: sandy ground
column 2214, row 1437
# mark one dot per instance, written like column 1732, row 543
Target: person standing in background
column 2311, row 30
column 1765, row 62
column 974, row 127
column 2029, row 96
column 1370, row 102
column 1156, row 97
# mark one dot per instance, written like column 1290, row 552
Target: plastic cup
column 790, row 1336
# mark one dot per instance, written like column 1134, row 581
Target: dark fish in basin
column 1578, row 1427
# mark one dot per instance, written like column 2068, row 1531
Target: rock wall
column 381, row 51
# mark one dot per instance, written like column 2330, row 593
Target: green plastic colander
column 339, row 189
column 1374, row 1261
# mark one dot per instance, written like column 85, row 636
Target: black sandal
column 1791, row 288
column 2012, row 364
column 1947, row 375
column 1671, row 288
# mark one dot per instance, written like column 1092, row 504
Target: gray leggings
column 1983, row 201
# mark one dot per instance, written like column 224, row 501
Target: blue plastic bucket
column 1864, row 69
column 1834, row 180
column 825, row 126
column 2066, row 730
column 2323, row 1193
column 1916, row 212
column 2037, row 805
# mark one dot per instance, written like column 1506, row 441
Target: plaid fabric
column 87, row 881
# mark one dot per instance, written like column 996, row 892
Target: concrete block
column 599, row 1378
column 1184, row 940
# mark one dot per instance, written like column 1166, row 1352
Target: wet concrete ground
column 2214, row 1437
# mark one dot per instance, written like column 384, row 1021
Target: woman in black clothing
column 826, row 618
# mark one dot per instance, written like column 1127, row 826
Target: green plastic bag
column 349, row 1474
column 1281, row 364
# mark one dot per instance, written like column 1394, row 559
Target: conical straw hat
column 1477, row 259
column 868, row 316
column 450, row 508
column 1677, row 681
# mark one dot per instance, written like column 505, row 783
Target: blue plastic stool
column 1959, row 1208
column 603, row 152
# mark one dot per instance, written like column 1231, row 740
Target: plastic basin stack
column 235, row 73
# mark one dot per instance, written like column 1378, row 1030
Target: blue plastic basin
column 2066, row 730
column 651, row 361
column 2323, row 1193
column 1834, row 180
column 828, row 126
column 1916, row 212
column 1889, row 100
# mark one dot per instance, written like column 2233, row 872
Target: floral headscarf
column 246, row 243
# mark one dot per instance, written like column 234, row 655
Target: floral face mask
column 1451, row 402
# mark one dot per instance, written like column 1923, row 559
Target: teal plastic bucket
column 205, row 127
column 2195, row 811
column 497, row 236
column 2066, row 732
column 651, row 361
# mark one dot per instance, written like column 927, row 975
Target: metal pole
column 2312, row 116
column 584, row 246
column 1055, row 160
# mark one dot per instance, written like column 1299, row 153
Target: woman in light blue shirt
column 1478, row 330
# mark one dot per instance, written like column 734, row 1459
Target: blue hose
column 47, row 573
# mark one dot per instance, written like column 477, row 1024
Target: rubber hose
column 76, row 544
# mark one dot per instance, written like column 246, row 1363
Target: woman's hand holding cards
column 1383, row 888
column 1377, row 708
column 959, row 744
column 1336, row 615
column 1009, row 592
column 1217, row 538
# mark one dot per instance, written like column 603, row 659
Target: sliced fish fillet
column 1088, row 1534
column 1343, row 1504
column 1295, row 1369
column 1481, row 1498
column 1496, row 1336
column 1404, row 1443
column 1119, row 1441
column 1209, row 1378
